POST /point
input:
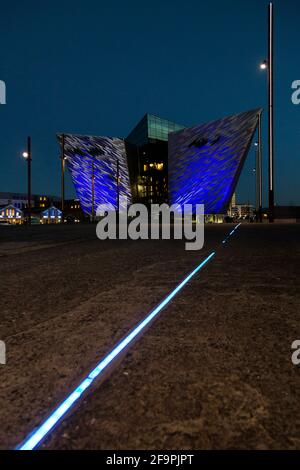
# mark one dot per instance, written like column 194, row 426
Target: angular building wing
column 205, row 161
column 94, row 163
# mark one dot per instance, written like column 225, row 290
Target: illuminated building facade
column 205, row 161
column 52, row 215
column 11, row 214
column 99, row 170
column 161, row 161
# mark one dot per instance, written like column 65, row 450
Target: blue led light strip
column 38, row 435
column 231, row 233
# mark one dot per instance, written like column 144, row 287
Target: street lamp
column 258, row 177
column 268, row 65
column 264, row 65
column 28, row 158
column 63, row 158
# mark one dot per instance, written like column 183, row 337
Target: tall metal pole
column 256, row 178
column 259, row 169
column 29, row 178
column 138, row 174
column 93, row 190
column 63, row 173
column 271, row 114
column 118, row 189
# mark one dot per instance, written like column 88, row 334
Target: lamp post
column 271, row 115
column 93, row 190
column 27, row 156
column 62, row 173
column 118, row 187
column 269, row 65
column 259, row 169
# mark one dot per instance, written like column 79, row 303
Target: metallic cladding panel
column 85, row 154
column 205, row 161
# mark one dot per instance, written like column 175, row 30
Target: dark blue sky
column 96, row 67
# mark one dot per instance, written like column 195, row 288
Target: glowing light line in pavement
column 38, row 434
column 231, row 233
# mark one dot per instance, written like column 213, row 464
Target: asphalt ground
column 214, row 370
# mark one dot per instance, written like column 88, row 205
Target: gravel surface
column 213, row 371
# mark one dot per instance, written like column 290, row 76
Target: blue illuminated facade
column 205, row 161
column 94, row 163
column 51, row 215
column 161, row 161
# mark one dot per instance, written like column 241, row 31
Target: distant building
column 20, row 200
column 72, row 211
column 52, row 215
column 232, row 210
column 43, row 201
column 11, row 214
column 244, row 211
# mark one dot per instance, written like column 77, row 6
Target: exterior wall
column 52, row 215
column 11, row 214
column 205, row 161
column 90, row 157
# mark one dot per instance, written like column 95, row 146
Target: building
column 11, row 214
column 20, row 200
column 161, row 161
column 244, row 211
column 232, row 210
column 73, row 212
column 44, row 201
column 51, row 215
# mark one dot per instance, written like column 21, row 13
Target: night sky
column 97, row 67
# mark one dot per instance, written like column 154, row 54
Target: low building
column 43, row 201
column 52, row 215
column 243, row 211
column 11, row 214
column 73, row 212
column 18, row 200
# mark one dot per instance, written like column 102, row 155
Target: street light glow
column 25, row 154
column 264, row 65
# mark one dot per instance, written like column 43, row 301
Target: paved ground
column 213, row 371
